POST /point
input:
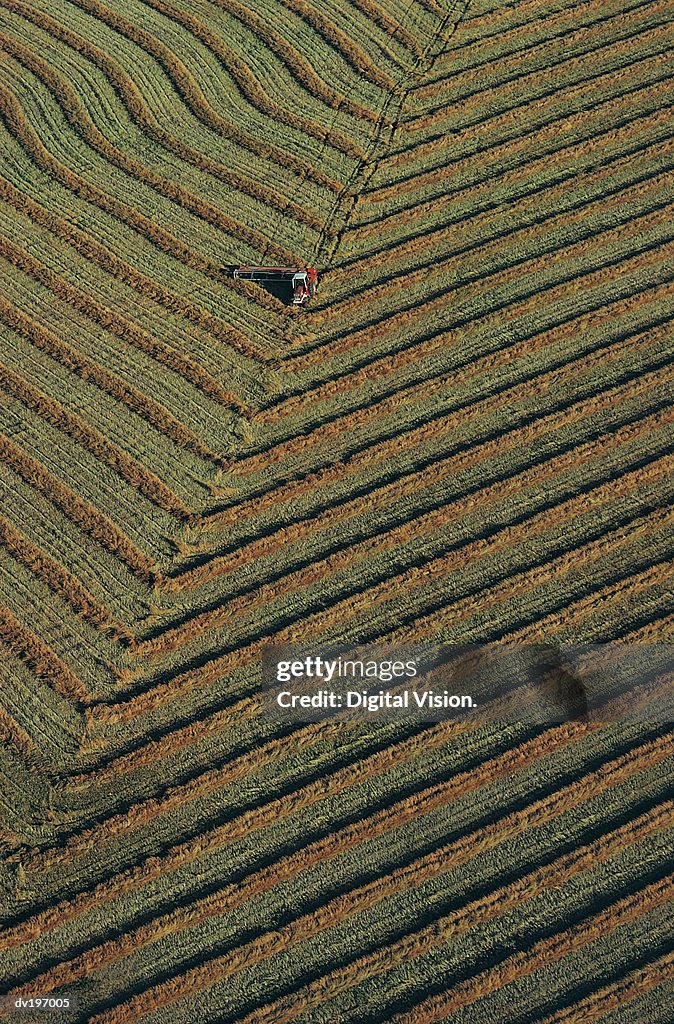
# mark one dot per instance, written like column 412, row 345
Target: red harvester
column 303, row 280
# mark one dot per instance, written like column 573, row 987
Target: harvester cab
column 304, row 286
column 301, row 281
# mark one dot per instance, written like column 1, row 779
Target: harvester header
column 302, row 280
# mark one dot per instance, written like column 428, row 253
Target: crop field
column 466, row 437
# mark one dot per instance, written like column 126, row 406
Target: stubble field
column 467, row 437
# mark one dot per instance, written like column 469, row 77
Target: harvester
column 302, row 280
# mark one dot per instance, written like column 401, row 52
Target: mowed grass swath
column 466, row 436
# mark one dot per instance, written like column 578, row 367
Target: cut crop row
column 506, row 541
column 361, row 552
column 251, row 88
column 528, row 209
column 604, row 562
column 84, row 515
column 72, row 359
column 187, row 87
column 559, row 40
column 600, row 269
column 150, row 289
column 594, row 154
column 547, row 102
column 541, row 954
column 40, row 658
column 58, row 578
column 561, row 870
column 536, row 575
column 406, row 484
column 16, row 738
column 259, row 817
column 296, row 62
column 79, row 119
column 539, row 237
column 618, row 994
column 349, row 838
column 354, row 54
column 18, row 125
column 436, row 426
column 574, row 615
column 541, row 137
column 140, row 478
column 319, row 992
column 109, row 319
column 529, row 302
column 434, row 797
column 338, row 388
column 130, row 96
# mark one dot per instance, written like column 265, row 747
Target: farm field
column 466, row 437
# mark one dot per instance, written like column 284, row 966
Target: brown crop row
column 612, row 997
column 19, row 126
column 398, row 814
column 251, row 820
column 520, row 141
column 12, row 735
column 517, row 238
column 395, row 490
column 505, row 540
column 393, row 28
column 135, row 474
column 573, row 614
column 213, row 669
column 187, row 87
column 177, row 739
column 339, row 843
column 412, row 482
column 512, row 62
column 518, row 307
column 80, row 512
column 44, row 339
column 295, row 61
column 451, row 927
column 251, row 88
column 356, row 901
column 85, row 127
column 519, row 208
column 605, row 82
column 334, row 387
column 490, row 17
column 517, row 88
column 430, row 431
column 434, row 6
column 132, row 99
column 541, row 954
column 41, row 659
column 649, row 257
column 537, row 575
column 397, row 536
column 110, row 320
column 527, row 169
column 92, row 250
column 392, row 589
column 582, row 557
column 354, row 55
column 657, row 631
column 59, row 579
